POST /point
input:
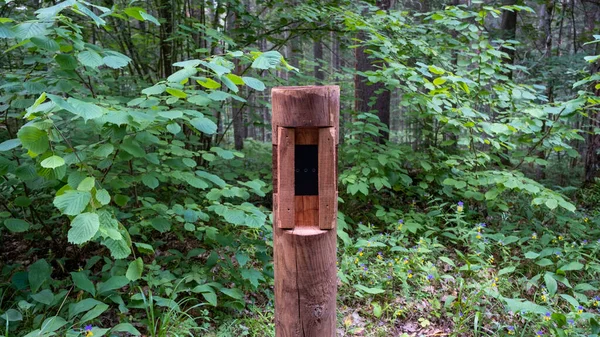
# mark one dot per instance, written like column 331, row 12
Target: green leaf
column 531, row 255
column 45, row 296
column 115, row 282
column 373, row 291
column 253, row 276
column 72, row 202
column 156, row 89
column 173, row 128
column 95, row 312
column 161, row 224
column 182, row 74
column 551, row 203
column 83, row 228
column 52, row 162
column 87, row 184
column 254, row 83
column 39, row 273
column 27, row 30
column 209, row 83
column 126, row 327
column 135, row 269
column 103, row 197
column 116, row 62
column 233, row 293
column 84, row 109
column 9, row 144
column 81, row 281
column 46, row 43
column 52, row 324
column 150, row 181
column 176, row 92
column 66, row 61
column 119, row 249
column 439, row 81
column 90, row 58
column 211, row 298
column 573, row 265
column 506, row 270
column 447, row 260
column 135, row 12
column 12, row 315
column 145, row 248
column 267, row 60
column 33, row 139
column 551, row 284
column 16, row 225
column 436, row 70
column 204, row 125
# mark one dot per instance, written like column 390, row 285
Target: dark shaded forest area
column 135, row 164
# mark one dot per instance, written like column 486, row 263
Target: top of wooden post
column 305, row 107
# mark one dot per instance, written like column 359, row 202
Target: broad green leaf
column 135, row 269
column 45, row 296
column 72, row 202
column 87, row 184
column 83, row 228
column 103, row 197
column 267, row 60
column 551, row 203
column 84, row 109
column 161, row 224
column 373, row 291
column 126, row 327
column 116, row 62
column 551, row 284
column 204, row 125
column 176, row 93
column 66, row 61
column 12, row 315
column 95, row 312
column 115, row 282
column 173, row 128
column 252, row 275
column 82, row 306
column 16, row 225
column 573, row 265
column 156, row 89
column 150, row 181
column 145, row 248
column 33, row 139
column 90, row 58
column 52, row 162
column 81, row 281
column 254, row 83
column 181, row 75
column 233, row 293
column 9, row 144
column 506, row 270
column 188, row 64
column 52, row 324
column 209, row 83
column 27, row 30
column 46, row 43
column 119, row 249
column 39, row 273
column 210, row 297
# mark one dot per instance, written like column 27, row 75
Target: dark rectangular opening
column 306, row 166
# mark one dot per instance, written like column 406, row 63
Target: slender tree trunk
column 318, row 57
column 364, row 92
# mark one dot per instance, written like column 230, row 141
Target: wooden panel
column 307, row 210
column 285, row 178
column 307, row 136
column 327, row 178
column 301, row 107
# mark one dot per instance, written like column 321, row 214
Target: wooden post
column 305, row 136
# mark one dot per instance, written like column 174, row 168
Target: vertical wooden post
column 305, row 136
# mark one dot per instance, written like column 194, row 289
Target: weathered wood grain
column 285, row 178
column 304, row 243
column 327, row 178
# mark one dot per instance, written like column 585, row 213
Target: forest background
column 135, row 161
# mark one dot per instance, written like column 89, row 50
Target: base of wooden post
column 305, row 282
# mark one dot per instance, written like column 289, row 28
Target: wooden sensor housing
column 305, row 138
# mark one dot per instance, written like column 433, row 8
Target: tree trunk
column 318, row 57
column 365, row 92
